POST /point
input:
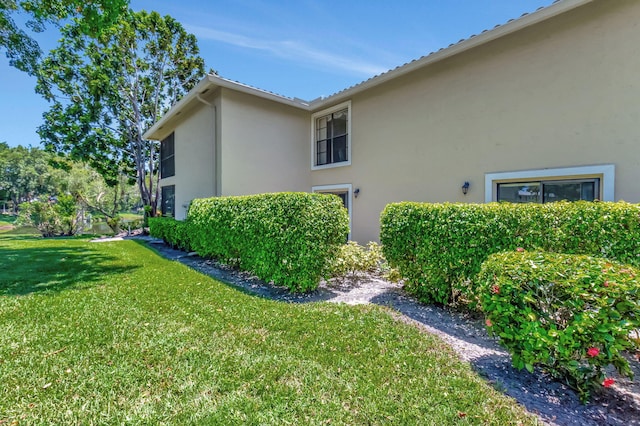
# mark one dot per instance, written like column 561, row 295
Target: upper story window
column 167, row 157
column 331, row 137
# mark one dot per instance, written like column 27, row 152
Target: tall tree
column 19, row 46
column 107, row 90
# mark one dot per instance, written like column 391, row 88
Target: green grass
column 7, row 220
column 129, row 217
column 111, row 333
column 20, row 230
column 8, row 226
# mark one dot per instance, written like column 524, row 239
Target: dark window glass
column 340, row 149
column 331, row 138
column 549, row 191
column 570, row 191
column 322, row 152
column 344, row 196
column 168, row 200
column 521, row 192
column 167, row 157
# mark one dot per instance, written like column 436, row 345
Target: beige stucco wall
column 238, row 144
column 195, row 157
column 264, row 146
column 563, row 93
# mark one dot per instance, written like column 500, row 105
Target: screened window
column 167, row 157
column 168, row 201
column 331, row 138
column 549, row 191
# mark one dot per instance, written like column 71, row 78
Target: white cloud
column 290, row 50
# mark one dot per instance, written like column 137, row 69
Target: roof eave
column 202, row 86
column 486, row 36
column 212, row 82
column 240, row 87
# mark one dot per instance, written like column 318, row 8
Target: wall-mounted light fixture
column 356, row 192
column 465, row 188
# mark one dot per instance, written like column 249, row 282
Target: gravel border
column 553, row 402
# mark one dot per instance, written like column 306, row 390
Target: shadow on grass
column 51, row 269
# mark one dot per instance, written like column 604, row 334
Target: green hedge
column 288, row 238
column 570, row 314
column 439, row 248
column 173, row 232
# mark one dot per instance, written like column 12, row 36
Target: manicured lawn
column 111, row 333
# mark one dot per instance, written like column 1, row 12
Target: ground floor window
column 168, row 201
column 587, row 183
column 344, row 191
column 549, row 191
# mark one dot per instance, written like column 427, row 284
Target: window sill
column 331, row 165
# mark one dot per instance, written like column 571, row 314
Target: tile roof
column 541, row 14
column 426, row 59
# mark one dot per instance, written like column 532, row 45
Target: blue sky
column 297, row 48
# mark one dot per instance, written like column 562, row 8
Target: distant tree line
column 26, row 174
column 32, row 179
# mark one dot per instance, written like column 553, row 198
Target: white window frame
column 605, row 172
column 314, row 118
column 339, row 188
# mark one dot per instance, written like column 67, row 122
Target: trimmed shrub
column 439, row 248
column 353, row 258
column 570, row 314
column 173, row 232
column 288, row 238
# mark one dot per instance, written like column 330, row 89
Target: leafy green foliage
column 173, row 232
column 353, row 258
column 119, row 82
column 51, row 219
column 288, row 238
column 23, row 51
column 31, row 174
column 439, row 248
column 26, row 174
column 570, row 314
column 94, row 195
